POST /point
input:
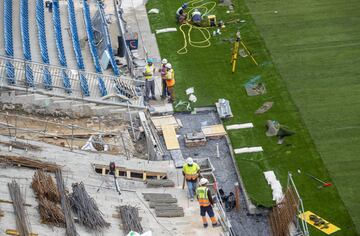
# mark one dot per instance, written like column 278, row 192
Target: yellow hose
column 196, row 4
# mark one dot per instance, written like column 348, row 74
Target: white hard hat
column 164, row 61
column 203, row 181
column 189, row 160
column 168, row 65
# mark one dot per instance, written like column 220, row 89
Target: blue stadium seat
column 77, row 49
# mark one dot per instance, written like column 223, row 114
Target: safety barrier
column 40, row 20
column 9, row 47
column 93, row 50
column 25, row 37
column 131, row 89
column 59, row 44
column 76, row 45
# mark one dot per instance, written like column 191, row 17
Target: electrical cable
column 206, row 35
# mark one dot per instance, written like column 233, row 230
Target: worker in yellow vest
column 149, row 80
column 206, row 202
column 170, row 82
column 191, row 172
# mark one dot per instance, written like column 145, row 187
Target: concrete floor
column 77, row 167
column 225, row 173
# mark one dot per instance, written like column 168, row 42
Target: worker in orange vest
column 206, row 202
column 170, row 82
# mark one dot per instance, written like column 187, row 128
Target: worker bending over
column 206, row 202
column 196, row 17
column 191, row 172
column 181, row 14
column 163, row 72
column 170, row 82
column 149, row 80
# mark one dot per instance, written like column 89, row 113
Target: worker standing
column 181, row 14
column 163, row 72
column 170, row 82
column 149, row 80
column 191, row 172
column 206, row 202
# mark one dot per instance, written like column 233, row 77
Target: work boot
column 205, row 225
column 153, row 98
column 215, row 225
column 192, row 199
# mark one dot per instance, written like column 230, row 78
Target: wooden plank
column 159, row 121
column 213, row 130
column 171, row 140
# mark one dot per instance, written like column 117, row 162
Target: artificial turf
column 209, row 72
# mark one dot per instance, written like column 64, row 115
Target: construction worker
column 149, row 80
column 196, row 17
column 191, row 172
column 170, row 82
column 181, row 14
column 163, row 72
column 206, row 202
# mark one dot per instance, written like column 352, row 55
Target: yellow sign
column 327, row 228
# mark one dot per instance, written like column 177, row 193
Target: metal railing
column 128, row 90
column 300, row 222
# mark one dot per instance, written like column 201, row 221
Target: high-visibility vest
column 202, row 196
column 170, row 78
column 149, row 71
column 191, row 172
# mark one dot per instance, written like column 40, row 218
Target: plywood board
column 171, row 140
column 213, row 130
column 159, row 121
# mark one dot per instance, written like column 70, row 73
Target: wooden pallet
column 195, row 139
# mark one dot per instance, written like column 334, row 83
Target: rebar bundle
column 51, row 213
column 130, row 219
column 69, row 220
column 48, row 197
column 45, row 187
column 19, row 209
column 85, row 208
column 27, row 162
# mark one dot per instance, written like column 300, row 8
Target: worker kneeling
column 196, row 17
column 181, row 14
column 206, row 202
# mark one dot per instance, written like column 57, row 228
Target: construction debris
column 85, row 208
column 130, row 219
column 223, row 108
column 255, row 87
column 240, row 126
column 65, row 205
column 213, row 131
column 153, row 183
column 264, row 108
column 195, row 139
column 16, row 233
column 27, row 162
column 22, row 223
column 21, row 145
column 158, row 200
